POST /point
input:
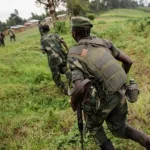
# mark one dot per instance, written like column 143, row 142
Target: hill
column 34, row 115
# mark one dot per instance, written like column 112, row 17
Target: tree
column 78, row 7
column 51, row 6
column 2, row 26
column 115, row 3
column 15, row 19
column 125, row 3
column 141, row 3
column 148, row 4
column 38, row 17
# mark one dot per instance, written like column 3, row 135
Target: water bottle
column 132, row 91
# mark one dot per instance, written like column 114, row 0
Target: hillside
column 34, row 115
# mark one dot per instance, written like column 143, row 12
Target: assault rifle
column 76, row 102
column 80, row 123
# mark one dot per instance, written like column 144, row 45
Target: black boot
column 107, row 146
column 138, row 136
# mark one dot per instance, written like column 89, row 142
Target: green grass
column 146, row 9
column 34, row 115
column 126, row 13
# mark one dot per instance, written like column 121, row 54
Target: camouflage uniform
column 101, row 105
column 50, row 43
column 11, row 34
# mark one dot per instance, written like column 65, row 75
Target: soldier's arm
column 64, row 44
column 43, row 49
column 77, row 77
column 120, row 56
column 126, row 61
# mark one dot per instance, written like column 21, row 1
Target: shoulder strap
column 94, row 41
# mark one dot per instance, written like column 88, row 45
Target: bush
column 138, row 25
column 91, row 16
column 113, row 32
column 60, row 27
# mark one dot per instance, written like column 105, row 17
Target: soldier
column 51, row 44
column 2, row 37
column 11, row 34
column 97, row 60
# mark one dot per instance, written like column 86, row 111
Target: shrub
column 60, row 27
column 91, row 16
column 139, row 25
column 112, row 32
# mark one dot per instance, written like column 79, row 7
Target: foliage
column 60, row 27
column 78, row 7
column 2, row 26
column 112, row 32
column 90, row 16
column 100, row 6
column 139, row 25
column 38, row 17
column 14, row 19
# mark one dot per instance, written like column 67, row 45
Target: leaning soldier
column 96, row 59
column 11, row 34
column 51, row 44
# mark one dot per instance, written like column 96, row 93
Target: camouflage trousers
column 13, row 37
column 2, row 43
column 113, row 110
column 58, row 67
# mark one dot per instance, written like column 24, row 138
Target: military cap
column 45, row 28
column 81, row 22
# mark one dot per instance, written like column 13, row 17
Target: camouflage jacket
column 51, row 44
column 80, row 71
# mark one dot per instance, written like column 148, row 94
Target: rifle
column 76, row 105
column 80, row 123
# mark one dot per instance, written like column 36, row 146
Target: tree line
column 81, row 7
column 73, row 7
column 15, row 19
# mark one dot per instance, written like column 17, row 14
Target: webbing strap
column 75, row 92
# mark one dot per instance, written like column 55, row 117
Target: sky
column 24, row 7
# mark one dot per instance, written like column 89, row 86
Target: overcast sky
column 24, row 7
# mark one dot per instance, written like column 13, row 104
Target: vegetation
column 34, row 113
column 91, row 16
column 15, row 19
column 60, row 27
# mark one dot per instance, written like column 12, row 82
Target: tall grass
column 34, row 115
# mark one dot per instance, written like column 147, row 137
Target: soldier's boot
column 138, row 136
column 107, row 146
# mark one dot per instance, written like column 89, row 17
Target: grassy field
column 34, row 115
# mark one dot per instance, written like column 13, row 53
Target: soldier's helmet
column 45, row 28
column 80, row 22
